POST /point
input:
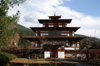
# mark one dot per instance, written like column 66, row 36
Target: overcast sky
column 84, row 13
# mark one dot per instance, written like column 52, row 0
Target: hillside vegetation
column 26, row 31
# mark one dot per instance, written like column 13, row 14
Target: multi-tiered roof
column 57, row 24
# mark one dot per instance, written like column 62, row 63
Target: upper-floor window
column 67, row 44
column 51, row 25
column 54, row 33
column 59, row 24
column 73, row 45
column 65, row 33
column 44, row 34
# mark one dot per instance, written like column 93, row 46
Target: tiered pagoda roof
column 55, row 20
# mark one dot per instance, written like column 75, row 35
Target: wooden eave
column 54, row 28
column 31, row 38
column 61, row 38
column 54, row 16
column 56, row 38
column 54, row 21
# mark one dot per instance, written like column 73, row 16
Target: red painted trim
column 47, row 50
column 60, row 49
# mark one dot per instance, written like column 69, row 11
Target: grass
column 25, row 60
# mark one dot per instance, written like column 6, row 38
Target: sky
column 84, row 14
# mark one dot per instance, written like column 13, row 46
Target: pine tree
column 8, row 27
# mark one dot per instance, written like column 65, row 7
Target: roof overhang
column 54, row 21
column 55, row 28
column 59, row 38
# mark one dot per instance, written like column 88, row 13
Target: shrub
column 5, row 58
column 48, row 57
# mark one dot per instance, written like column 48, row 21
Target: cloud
column 68, row 0
column 41, row 9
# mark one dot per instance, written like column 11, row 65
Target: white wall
column 46, row 54
column 61, row 54
column 71, row 48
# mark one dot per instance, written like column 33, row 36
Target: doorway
column 53, row 52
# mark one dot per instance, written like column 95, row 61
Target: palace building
column 56, row 37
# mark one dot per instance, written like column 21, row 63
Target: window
column 59, row 25
column 51, row 25
column 54, row 33
column 58, row 33
column 44, row 34
column 73, row 45
column 67, row 45
column 65, row 33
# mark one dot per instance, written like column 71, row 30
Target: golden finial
column 54, row 14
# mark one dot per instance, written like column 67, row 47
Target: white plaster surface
column 61, row 54
column 71, row 48
column 46, row 54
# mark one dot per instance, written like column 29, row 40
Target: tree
column 8, row 27
column 89, row 43
column 42, row 40
column 23, row 43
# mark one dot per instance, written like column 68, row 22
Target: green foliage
column 23, row 43
column 25, row 31
column 90, row 42
column 48, row 58
column 10, row 56
column 8, row 27
column 5, row 58
column 12, row 2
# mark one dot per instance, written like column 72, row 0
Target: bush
column 5, row 58
column 48, row 58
